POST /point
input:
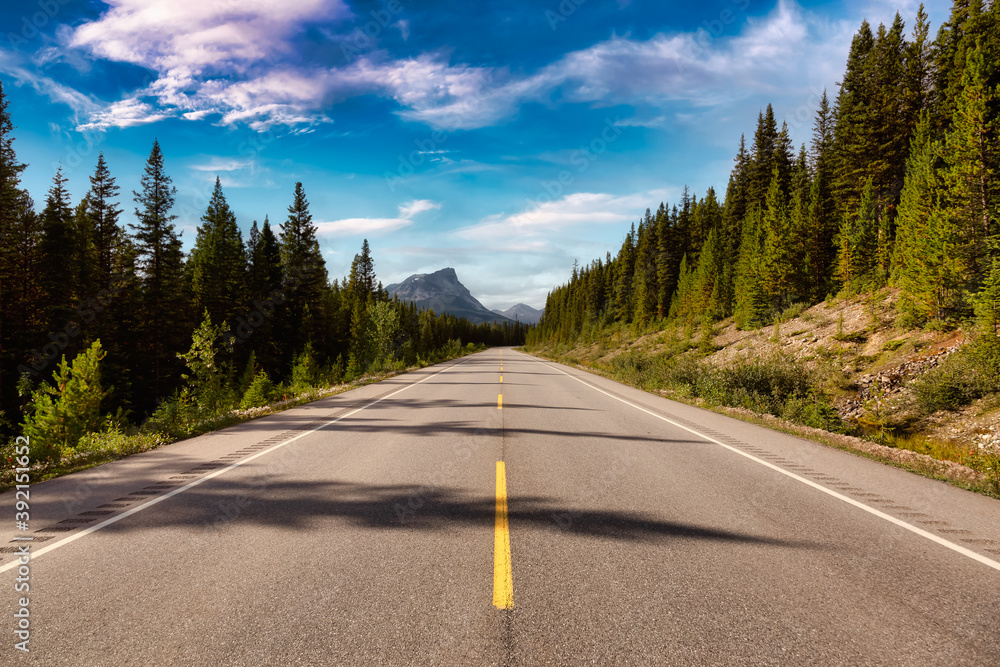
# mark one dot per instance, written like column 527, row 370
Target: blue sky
column 502, row 138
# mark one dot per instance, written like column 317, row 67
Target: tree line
column 74, row 274
column 896, row 188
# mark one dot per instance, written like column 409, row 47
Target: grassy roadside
column 99, row 448
column 765, row 393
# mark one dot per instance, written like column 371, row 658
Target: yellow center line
column 500, row 402
column 503, row 583
column 501, row 378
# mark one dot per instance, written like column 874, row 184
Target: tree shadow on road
column 307, row 506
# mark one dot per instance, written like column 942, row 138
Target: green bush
column 794, row 311
column 259, row 393
column 968, row 374
column 206, row 394
column 814, row 410
column 305, row 372
column 61, row 413
column 761, row 385
column 116, row 441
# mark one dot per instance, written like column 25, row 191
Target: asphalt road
column 372, row 527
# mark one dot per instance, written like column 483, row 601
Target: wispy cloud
column 362, row 226
column 199, row 48
column 219, row 164
column 551, row 218
column 81, row 104
column 237, row 60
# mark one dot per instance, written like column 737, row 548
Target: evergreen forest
column 897, row 188
column 106, row 324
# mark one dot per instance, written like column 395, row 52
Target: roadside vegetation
column 67, row 431
column 810, row 378
column 892, row 208
column 114, row 340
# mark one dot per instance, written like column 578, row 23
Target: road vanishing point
column 504, row 510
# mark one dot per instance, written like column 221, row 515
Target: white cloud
column 362, row 226
column 124, row 113
column 198, row 47
column 410, row 209
column 548, row 218
column 235, row 59
column 81, row 104
column 188, row 37
column 217, row 164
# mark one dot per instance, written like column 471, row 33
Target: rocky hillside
column 853, row 348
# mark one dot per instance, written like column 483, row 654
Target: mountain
column 442, row 292
column 522, row 313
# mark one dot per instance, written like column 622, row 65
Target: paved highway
column 501, row 509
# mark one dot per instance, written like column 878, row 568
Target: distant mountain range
column 522, row 313
column 442, row 292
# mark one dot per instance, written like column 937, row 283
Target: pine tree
column 265, row 294
column 64, row 411
column 85, row 253
column 821, row 220
column 779, row 243
column 924, row 262
column 57, row 252
column 265, row 262
column 664, row 261
column 218, row 262
column 24, row 321
column 104, row 211
column 764, row 155
column 164, row 312
column 858, row 242
column 853, row 145
column 798, row 212
column 362, row 281
column 918, row 75
column 304, row 273
column 752, row 307
column 972, row 154
column 12, row 210
column 706, row 288
column 889, row 127
column 966, row 26
column 644, row 277
column 624, row 273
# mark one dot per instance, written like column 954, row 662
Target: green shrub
column 893, row 345
column 814, row 410
column 305, row 372
column 259, row 393
column 452, row 348
column 206, row 394
column 794, row 310
column 61, row 413
column 762, row 385
column 116, row 441
column 968, row 374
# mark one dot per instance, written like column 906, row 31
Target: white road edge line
column 989, row 562
column 182, row 489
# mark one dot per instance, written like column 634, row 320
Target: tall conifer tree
column 164, row 319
